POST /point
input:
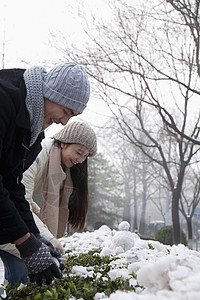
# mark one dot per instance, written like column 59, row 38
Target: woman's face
column 73, row 154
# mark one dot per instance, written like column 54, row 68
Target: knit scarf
column 33, row 78
column 54, row 210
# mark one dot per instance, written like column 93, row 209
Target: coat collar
column 22, row 118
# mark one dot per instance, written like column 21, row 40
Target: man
column 31, row 100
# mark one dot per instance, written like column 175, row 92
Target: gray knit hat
column 78, row 133
column 67, row 84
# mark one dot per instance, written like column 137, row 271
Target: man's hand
column 39, row 261
column 53, row 251
column 56, row 254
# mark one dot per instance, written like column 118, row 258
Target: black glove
column 53, row 251
column 61, row 265
column 39, row 261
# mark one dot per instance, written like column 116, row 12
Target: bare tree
column 190, row 198
column 141, row 180
column 145, row 63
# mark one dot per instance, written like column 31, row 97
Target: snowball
column 124, row 225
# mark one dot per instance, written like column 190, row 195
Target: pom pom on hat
column 67, row 84
column 78, row 133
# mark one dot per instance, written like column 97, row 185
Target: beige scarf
column 54, row 210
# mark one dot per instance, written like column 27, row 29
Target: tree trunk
column 142, row 223
column 144, row 203
column 190, row 234
column 126, row 213
column 175, row 217
column 135, row 213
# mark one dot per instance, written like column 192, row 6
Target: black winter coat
column 15, row 157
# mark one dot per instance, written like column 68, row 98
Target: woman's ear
column 63, row 145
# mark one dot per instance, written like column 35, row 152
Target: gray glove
column 39, row 261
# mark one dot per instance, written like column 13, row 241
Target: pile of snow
column 165, row 272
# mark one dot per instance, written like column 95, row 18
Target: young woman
column 59, row 176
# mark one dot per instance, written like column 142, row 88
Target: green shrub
column 72, row 285
column 165, row 236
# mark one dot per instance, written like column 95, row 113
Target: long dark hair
column 79, row 199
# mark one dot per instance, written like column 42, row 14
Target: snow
column 2, row 277
column 166, row 272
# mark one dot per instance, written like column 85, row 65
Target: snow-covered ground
column 165, row 272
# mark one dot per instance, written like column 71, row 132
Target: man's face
column 56, row 113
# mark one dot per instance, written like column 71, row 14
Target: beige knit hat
column 78, row 133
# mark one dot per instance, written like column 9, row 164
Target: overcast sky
column 25, row 32
column 25, row 26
